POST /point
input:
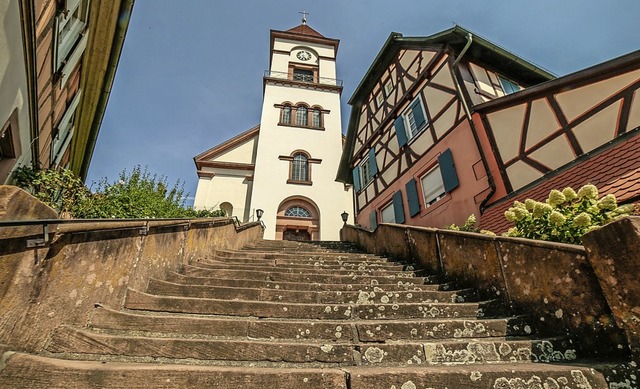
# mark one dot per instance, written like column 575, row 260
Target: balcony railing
column 302, row 78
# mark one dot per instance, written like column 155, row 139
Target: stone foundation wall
column 553, row 283
column 91, row 263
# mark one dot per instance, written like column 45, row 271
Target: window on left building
column 9, row 145
column 70, row 36
column 64, row 131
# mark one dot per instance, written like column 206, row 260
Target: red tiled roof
column 615, row 170
column 304, row 29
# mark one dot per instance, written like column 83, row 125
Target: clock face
column 303, row 55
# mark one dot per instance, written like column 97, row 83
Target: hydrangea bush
column 469, row 226
column 565, row 216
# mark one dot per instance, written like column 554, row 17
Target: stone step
column 302, row 255
column 243, row 283
column 297, row 268
column 356, row 330
column 302, row 261
column 382, row 294
column 293, row 260
column 76, row 341
column 144, row 301
column 407, row 277
column 36, row 372
column 70, row 340
column 488, row 376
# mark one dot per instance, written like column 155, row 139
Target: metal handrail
column 35, row 222
column 303, row 78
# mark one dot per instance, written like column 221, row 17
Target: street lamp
column 344, row 216
column 259, row 213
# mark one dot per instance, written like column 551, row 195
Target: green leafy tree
column 565, row 216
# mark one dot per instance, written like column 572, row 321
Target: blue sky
column 190, row 75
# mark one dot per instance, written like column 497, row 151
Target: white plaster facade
column 262, row 159
column 14, row 92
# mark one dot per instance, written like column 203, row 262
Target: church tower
column 300, row 139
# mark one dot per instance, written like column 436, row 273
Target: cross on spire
column 304, row 16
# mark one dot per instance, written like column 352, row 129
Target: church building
column 286, row 165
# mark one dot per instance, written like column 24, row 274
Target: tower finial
column 304, row 17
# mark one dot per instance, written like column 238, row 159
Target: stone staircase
column 301, row 315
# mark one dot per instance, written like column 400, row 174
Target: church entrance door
column 297, row 235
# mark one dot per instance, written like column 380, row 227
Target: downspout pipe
column 467, row 110
column 464, row 50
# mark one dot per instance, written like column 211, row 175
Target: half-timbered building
column 451, row 124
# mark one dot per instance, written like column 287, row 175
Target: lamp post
column 259, row 213
column 344, row 216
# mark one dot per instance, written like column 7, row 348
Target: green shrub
column 134, row 195
column 565, row 216
column 60, row 189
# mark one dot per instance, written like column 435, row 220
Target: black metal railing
column 113, row 224
column 305, row 78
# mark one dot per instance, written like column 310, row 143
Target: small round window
column 297, row 212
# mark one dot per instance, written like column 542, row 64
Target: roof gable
column 304, row 29
column 615, row 170
column 220, row 150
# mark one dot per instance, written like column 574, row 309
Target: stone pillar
column 614, row 253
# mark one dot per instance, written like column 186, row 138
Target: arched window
column 300, row 168
column 316, row 118
column 286, row 114
column 302, row 116
column 297, row 211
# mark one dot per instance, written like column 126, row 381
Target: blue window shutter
column 401, row 133
column 418, row 114
column 356, row 178
column 398, row 211
column 373, row 220
column 448, row 171
column 373, row 165
column 412, row 197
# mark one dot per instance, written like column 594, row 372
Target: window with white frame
column 297, row 211
column 286, row 114
column 379, row 99
column 388, row 87
column 411, row 123
column 70, row 37
column 364, row 172
column 316, row 118
column 302, row 118
column 508, row 86
column 301, row 115
column 64, row 131
column 432, row 186
column 415, row 118
column 300, row 168
column 388, row 214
